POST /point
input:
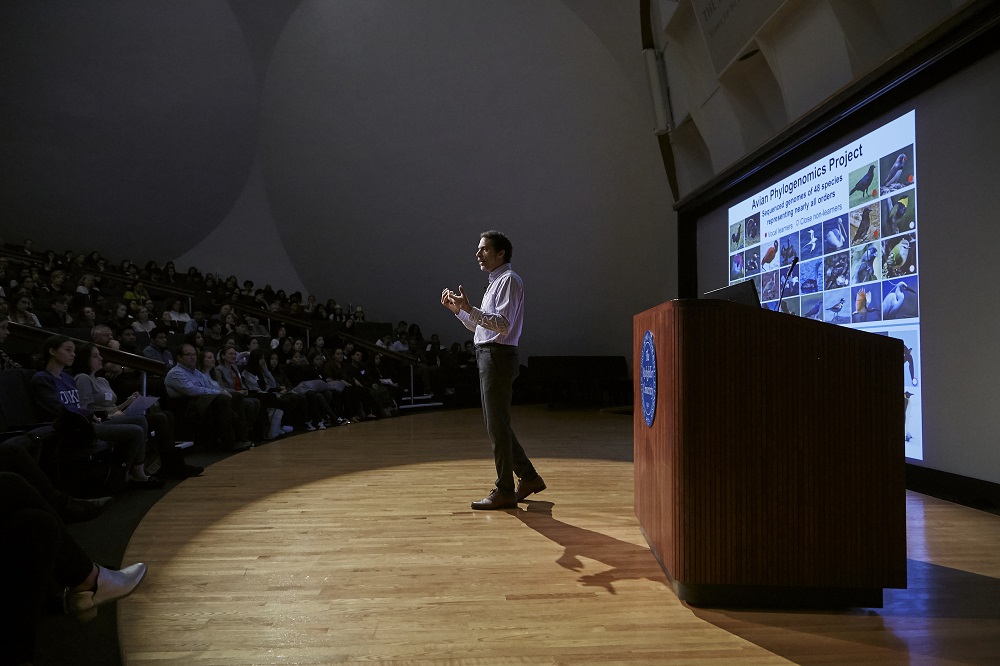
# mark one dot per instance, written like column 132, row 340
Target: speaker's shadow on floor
column 625, row 560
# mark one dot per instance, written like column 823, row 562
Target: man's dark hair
column 499, row 242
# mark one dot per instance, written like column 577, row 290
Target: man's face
column 128, row 336
column 160, row 341
column 487, row 257
column 59, row 306
column 89, row 314
column 357, row 357
column 102, row 336
column 188, row 357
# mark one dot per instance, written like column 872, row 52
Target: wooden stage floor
column 357, row 545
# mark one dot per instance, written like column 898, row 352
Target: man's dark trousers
column 498, row 367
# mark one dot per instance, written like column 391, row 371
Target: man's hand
column 448, row 300
column 455, row 301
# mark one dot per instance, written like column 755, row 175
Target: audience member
column 22, row 313
column 6, row 362
column 275, row 399
column 157, row 349
column 142, row 326
column 205, row 400
column 227, row 374
column 97, row 396
column 57, row 315
column 55, row 391
column 38, row 550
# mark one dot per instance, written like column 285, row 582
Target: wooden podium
column 773, row 473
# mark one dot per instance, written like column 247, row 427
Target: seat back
column 17, row 409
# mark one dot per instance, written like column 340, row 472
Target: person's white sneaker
column 309, row 426
column 111, row 586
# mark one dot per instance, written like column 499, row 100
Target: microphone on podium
column 784, row 283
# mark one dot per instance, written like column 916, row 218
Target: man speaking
column 497, row 326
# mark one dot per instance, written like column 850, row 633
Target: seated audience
column 57, row 282
column 227, row 374
column 173, row 329
column 57, row 316
column 142, row 326
column 262, row 385
column 120, row 317
column 6, row 362
column 176, row 311
column 205, row 399
column 97, row 396
column 54, row 391
column 87, row 317
column 85, row 291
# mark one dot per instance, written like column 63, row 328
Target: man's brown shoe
column 525, row 488
column 496, row 500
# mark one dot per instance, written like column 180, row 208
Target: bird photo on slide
column 865, row 224
column 899, row 213
column 769, row 255
column 736, row 237
column 900, row 300
column 864, row 185
column 897, row 169
column 811, row 242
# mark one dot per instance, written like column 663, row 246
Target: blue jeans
column 498, row 367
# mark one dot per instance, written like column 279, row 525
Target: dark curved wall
column 353, row 150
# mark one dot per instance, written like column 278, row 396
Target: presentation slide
column 837, row 242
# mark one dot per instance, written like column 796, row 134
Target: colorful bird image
column 901, row 302
column 811, row 276
column 895, row 174
column 736, row 266
column 900, row 258
column 837, row 307
column 769, row 255
column 752, row 261
column 864, row 264
column 835, row 303
column 897, row 213
column 863, row 309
